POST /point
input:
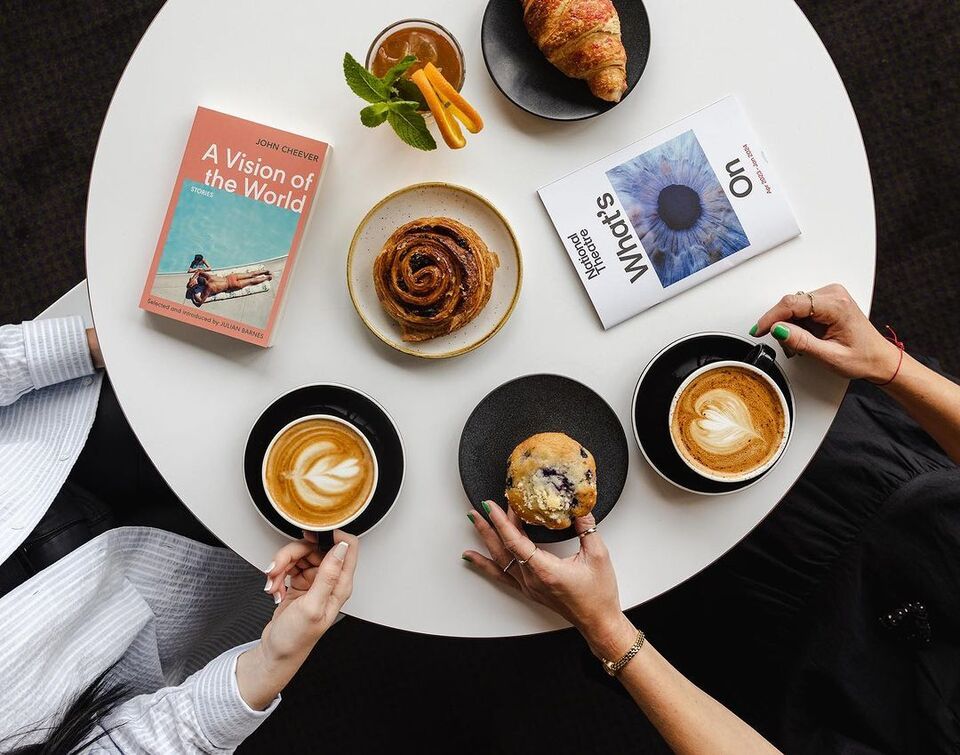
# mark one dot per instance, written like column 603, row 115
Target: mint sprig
column 411, row 127
column 410, row 91
column 392, row 99
column 363, row 83
column 399, row 69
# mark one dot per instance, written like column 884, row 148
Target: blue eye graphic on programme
column 678, row 208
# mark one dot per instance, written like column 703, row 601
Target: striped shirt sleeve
column 204, row 714
column 56, row 350
column 39, row 353
column 15, row 378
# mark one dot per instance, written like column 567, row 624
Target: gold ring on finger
column 525, row 561
column 511, row 563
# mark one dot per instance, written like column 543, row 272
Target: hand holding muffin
column 581, row 588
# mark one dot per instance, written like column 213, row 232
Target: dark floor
column 368, row 688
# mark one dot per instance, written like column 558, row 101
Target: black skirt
column 835, row 625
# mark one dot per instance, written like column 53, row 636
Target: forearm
column 261, row 678
column 206, row 713
column 688, row 719
column 932, row 400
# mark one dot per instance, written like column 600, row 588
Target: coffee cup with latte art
column 319, row 472
column 729, row 421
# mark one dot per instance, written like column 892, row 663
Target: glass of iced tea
column 428, row 41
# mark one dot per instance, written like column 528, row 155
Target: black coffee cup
column 658, row 384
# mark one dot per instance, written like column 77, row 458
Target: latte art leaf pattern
column 725, row 425
column 320, row 472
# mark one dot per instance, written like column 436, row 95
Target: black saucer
column 530, row 82
column 538, row 404
column 339, row 401
column 654, row 393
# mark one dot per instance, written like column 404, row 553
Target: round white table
column 191, row 396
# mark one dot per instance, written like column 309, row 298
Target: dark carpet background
column 367, row 688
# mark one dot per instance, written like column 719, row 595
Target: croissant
column 433, row 276
column 582, row 39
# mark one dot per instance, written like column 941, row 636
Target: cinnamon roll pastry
column 433, row 276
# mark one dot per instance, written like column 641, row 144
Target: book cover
column 670, row 211
column 230, row 237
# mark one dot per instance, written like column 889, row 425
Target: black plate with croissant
column 565, row 59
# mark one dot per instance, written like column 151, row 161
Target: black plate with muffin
column 659, row 382
column 554, row 471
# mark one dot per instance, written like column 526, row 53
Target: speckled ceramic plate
column 425, row 200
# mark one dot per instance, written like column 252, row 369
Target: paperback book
column 670, row 211
column 238, row 212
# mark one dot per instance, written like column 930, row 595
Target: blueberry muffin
column 551, row 479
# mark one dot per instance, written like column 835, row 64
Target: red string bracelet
column 899, row 344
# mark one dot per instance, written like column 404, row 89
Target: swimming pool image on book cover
column 225, row 253
column 678, row 208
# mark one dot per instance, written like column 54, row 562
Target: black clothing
column 797, row 629
column 112, row 484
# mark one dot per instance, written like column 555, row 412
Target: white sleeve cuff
column 223, row 714
column 56, row 350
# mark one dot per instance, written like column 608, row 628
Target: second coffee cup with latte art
column 729, row 421
column 320, row 472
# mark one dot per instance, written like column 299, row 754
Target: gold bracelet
column 614, row 667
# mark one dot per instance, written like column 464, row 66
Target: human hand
column 836, row 333
column 581, row 588
column 319, row 586
column 93, row 343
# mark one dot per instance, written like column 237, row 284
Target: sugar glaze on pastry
column 551, row 479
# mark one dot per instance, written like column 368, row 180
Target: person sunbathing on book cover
column 202, row 285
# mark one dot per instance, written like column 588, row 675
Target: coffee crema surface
column 319, row 472
column 728, row 422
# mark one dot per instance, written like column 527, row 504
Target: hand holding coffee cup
column 319, row 585
column 319, row 472
column 827, row 325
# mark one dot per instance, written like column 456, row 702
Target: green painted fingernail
column 754, row 329
column 486, row 507
column 781, row 333
column 472, row 520
column 465, row 557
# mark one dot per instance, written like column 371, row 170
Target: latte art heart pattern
column 728, row 422
column 319, row 472
column 725, row 425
